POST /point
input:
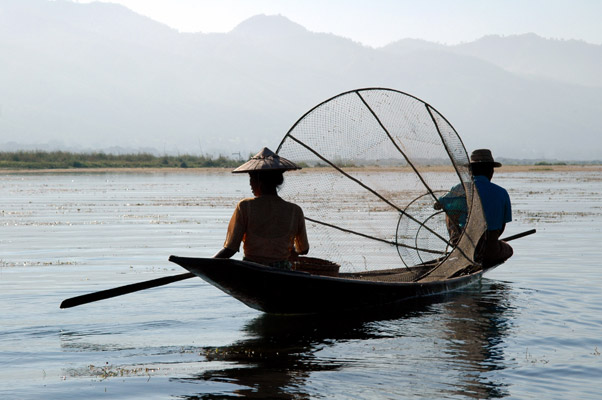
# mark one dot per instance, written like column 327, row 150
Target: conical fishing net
column 379, row 161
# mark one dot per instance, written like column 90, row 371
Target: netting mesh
column 380, row 160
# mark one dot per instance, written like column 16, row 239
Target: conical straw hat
column 266, row 160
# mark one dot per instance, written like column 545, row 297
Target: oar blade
column 121, row 290
column 519, row 235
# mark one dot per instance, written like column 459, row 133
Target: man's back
column 496, row 203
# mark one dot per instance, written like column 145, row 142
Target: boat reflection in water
column 442, row 346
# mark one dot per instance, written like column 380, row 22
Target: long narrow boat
column 382, row 160
column 273, row 290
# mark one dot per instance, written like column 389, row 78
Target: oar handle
column 118, row 291
column 519, row 235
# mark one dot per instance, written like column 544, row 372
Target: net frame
column 408, row 125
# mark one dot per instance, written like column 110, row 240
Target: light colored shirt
column 495, row 201
column 269, row 227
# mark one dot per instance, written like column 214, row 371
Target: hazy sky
column 379, row 22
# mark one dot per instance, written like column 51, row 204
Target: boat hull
column 277, row 291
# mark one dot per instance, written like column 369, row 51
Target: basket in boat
column 316, row 266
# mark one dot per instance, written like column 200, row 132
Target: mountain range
column 99, row 77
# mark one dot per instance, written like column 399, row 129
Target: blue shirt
column 495, row 201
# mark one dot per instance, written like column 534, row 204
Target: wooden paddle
column 118, row 291
column 135, row 287
column 519, row 235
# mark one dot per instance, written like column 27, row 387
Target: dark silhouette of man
column 496, row 207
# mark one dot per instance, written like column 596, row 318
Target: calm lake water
column 532, row 329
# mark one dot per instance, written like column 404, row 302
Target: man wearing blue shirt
column 496, row 207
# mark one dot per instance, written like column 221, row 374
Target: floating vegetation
column 109, row 371
column 552, row 217
column 237, row 353
column 5, row 263
column 534, row 360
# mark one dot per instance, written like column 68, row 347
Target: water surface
column 530, row 329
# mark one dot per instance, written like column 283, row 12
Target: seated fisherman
column 496, row 207
column 272, row 230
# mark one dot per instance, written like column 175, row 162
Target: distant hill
column 97, row 76
column 568, row 61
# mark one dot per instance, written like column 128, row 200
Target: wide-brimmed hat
column 267, row 160
column 483, row 156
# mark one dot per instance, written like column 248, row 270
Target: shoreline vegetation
column 61, row 161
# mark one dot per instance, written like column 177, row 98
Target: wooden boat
column 273, row 290
column 384, row 230
column 383, row 224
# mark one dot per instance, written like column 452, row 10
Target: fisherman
column 496, row 207
column 272, row 230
